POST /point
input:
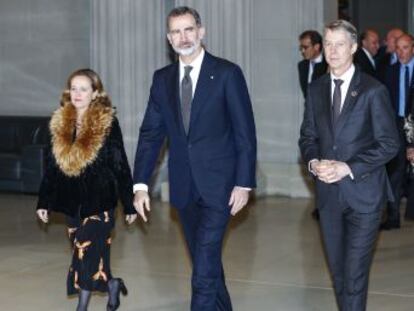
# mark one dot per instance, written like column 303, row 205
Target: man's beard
column 187, row 51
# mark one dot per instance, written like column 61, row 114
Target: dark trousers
column 397, row 172
column 409, row 211
column 349, row 238
column 204, row 228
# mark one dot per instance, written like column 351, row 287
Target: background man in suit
column 347, row 135
column 365, row 54
column 311, row 67
column 399, row 80
column 201, row 104
column 387, row 55
column 313, row 64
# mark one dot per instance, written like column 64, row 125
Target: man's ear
column 201, row 32
column 354, row 48
column 169, row 38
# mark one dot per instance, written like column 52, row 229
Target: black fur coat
column 86, row 172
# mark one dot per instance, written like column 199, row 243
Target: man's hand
column 142, row 203
column 238, row 199
column 330, row 171
column 130, row 218
column 43, row 215
column 410, row 154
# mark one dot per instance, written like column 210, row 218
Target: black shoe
column 390, row 225
column 315, row 214
column 117, row 286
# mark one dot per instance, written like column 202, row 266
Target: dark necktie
column 406, row 87
column 186, row 97
column 336, row 101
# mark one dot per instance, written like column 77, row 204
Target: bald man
column 387, row 55
column 399, row 81
column 365, row 55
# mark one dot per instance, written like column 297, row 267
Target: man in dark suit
column 387, row 55
column 311, row 67
column 201, row 104
column 365, row 55
column 400, row 83
column 313, row 64
column 347, row 136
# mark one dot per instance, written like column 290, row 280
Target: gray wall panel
column 41, row 43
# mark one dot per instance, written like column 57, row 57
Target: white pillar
column 127, row 45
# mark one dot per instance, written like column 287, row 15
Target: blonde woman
column 86, row 172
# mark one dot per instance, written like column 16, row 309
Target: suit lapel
column 204, row 86
column 319, row 69
column 173, row 87
column 349, row 103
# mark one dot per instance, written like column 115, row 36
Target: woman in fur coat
column 86, row 172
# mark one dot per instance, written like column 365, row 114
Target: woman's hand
column 42, row 214
column 130, row 218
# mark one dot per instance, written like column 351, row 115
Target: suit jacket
column 383, row 61
column 392, row 81
column 303, row 68
column 361, row 59
column 365, row 137
column 220, row 149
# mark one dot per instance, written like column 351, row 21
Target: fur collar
column 72, row 156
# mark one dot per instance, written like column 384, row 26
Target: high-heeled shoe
column 117, row 285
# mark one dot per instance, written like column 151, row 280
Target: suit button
column 189, row 146
column 334, row 147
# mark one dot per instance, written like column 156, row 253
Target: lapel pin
column 211, row 77
column 354, row 93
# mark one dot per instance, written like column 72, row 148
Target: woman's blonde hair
column 101, row 97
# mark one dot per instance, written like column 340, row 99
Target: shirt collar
column 370, row 57
column 317, row 59
column 346, row 76
column 409, row 64
column 196, row 63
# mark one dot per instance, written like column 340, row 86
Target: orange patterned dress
column 91, row 241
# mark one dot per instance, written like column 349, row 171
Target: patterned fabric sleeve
column 409, row 130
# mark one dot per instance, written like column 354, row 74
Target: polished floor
column 273, row 260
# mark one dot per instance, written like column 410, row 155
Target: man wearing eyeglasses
column 313, row 64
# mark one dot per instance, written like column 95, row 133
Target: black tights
column 113, row 292
column 84, row 296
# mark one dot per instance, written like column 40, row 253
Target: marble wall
column 41, row 42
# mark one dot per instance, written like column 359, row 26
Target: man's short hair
column 344, row 25
column 314, row 36
column 183, row 10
